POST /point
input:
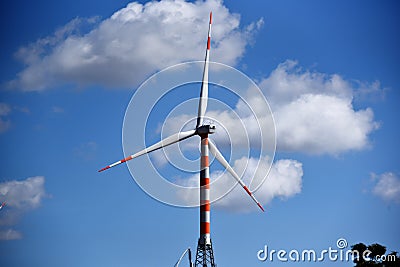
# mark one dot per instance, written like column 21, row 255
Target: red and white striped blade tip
column 253, row 197
column 261, row 207
column 105, row 168
column 116, row 163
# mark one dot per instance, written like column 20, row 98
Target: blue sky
column 328, row 69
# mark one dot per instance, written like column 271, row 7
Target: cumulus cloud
column 387, row 186
column 284, row 181
column 314, row 111
column 25, row 194
column 322, row 124
column 4, row 112
column 21, row 196
column 137, row 40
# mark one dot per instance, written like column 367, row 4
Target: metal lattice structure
column 204, row 255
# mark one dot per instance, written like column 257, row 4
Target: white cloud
column 134, row 42
column 20, row 196
column 10, row 234
column 314, row 112
column 387, row 186
column 284, row 181
column 4, row 112
column 25, row 194
column 322, row 124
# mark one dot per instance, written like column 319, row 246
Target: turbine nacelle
column 205, row 129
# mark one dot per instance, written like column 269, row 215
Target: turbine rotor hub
column 205, row 129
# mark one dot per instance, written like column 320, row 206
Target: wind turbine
column 204, row 253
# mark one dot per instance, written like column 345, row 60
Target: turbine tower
column 204, row 254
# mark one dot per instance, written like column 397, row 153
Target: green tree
column 374, row 256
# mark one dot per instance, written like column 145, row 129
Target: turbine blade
column 214, row 150
column 163, row 143
column 180, row 259
column 204, row 85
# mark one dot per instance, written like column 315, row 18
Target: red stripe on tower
column 205, row 162
column 205, row 227
column 205, row 182
column 205, row 205
column 205, row 143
